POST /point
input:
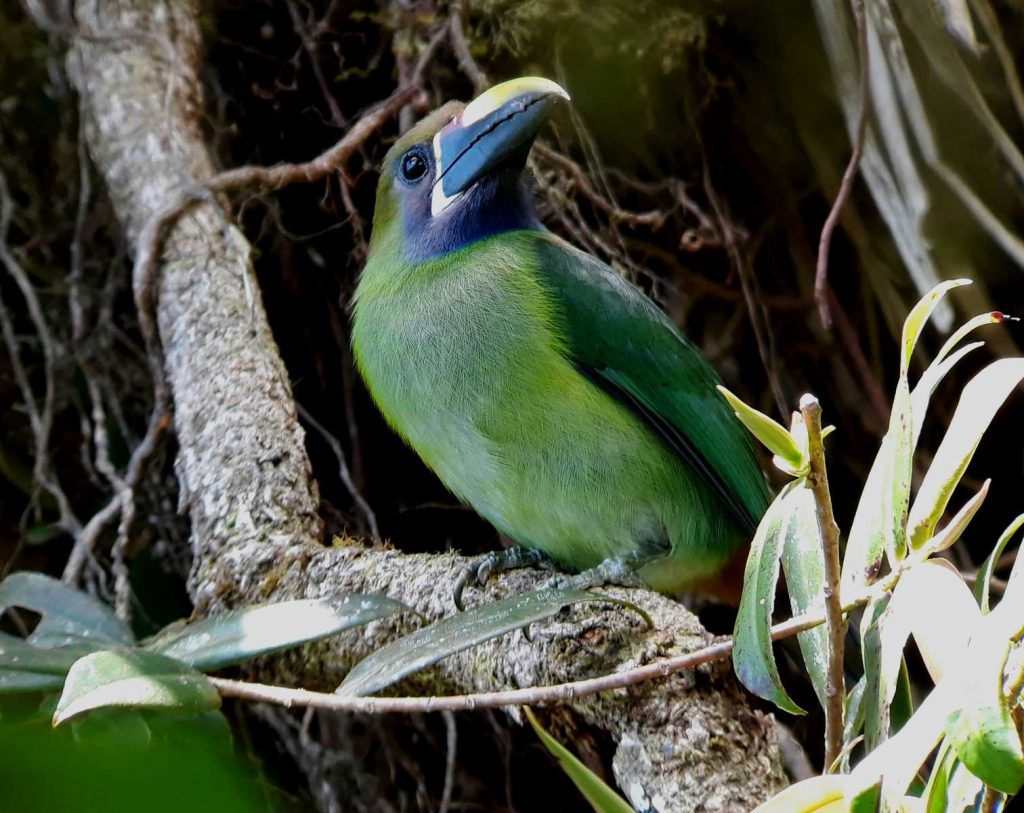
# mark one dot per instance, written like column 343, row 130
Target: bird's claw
column 490, row 563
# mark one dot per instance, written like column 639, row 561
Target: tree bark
column 689, row 742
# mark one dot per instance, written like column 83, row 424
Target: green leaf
column 963, row 791
column 601, row 797
column 818, row 794
column 803, row 563
column 68, row 616
column 934, row 603
column 884, row 635
column 133, row 678
column 236, row 636
column 980, row 400
column 896, row 761
column 935, row 792
column 982, row 730
column 25, row 668
column 948, row 536
column 984, row 578
column 772, row 434
column 878, row 526
column 428, row 645
column 752, row 654
column 919, row 314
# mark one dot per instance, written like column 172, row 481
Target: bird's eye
column 414, row 165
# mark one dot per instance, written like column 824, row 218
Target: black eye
column 414, row 165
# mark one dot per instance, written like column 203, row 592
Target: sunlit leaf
column 918, row 316
column 238, row 635
column 948, row 536
column 963, row 791
column 133, row 678
column 601, row 797
column 803, row 563
column 935, row 604
column 980, row 400
column 982, row 729
column 68, row 616
column 883, row 636
column 752, row 654
column 935, row 791
column 24, row 667
column 428, row 645
column 896, row 761
column 878, row 525
column 818, row 794
column 770, row 433
column 984, row 577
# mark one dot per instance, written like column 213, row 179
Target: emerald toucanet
column 540, row 386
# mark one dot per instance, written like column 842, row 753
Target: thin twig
column 462, row 50
column 343, row 472
column 452, row 733
column 557, row 693
column 846, row 185
column 762, row 331
column 835, row 691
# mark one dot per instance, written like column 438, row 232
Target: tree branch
column 689, row 741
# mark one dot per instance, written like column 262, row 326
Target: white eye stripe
column 439, row 201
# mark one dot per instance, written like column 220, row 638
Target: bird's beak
column 495, row 129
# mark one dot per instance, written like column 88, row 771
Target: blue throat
column 497, row 204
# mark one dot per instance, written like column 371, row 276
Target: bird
column 540, row 386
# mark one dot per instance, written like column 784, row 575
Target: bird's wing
column 623, row 343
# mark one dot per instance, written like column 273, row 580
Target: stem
column 835, row 691
column 560, row 692
column 821, row 286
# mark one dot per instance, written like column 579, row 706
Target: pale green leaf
column 428, row 645
column 803, row 563
column 934, row 603
column 982, row 729
column 238, row 635
column 980, row 400
column 752, row 654
column 918, row 316
column 769, row 432
column 601, row 797
column 136, row 679
column 818, row 794
column 984, row 577
column 948, row 536
column 68, row 616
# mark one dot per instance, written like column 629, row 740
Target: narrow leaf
column 980, row 400
column 919, row 314
column 984, row 577
column 935, row 604
column 133, row 678
column 239, row 635
column 752, row 654
column 68, row 615
column 982, row 729
column 601, row 797
column 818, row 794
column 948, row 536
column 883, row 635
column 428, row 645
column 803, row 563
column 772, row 434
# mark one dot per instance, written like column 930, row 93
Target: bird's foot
column 497, row 561
column 617, row 571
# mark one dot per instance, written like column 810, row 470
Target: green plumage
column 554, row 398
